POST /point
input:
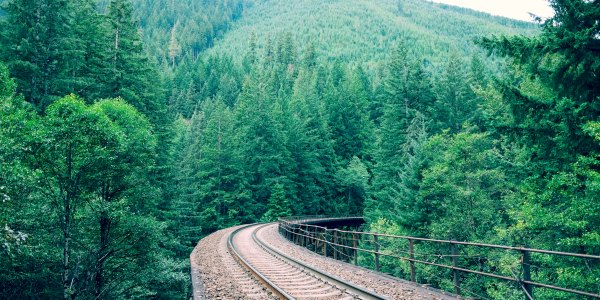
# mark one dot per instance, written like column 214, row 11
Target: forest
column 131, row 129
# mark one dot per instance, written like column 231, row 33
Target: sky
column 515, row 9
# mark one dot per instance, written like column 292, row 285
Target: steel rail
column 327, row 277
column 281, row 294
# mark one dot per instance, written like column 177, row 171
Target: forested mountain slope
column 174, row 29
column 364, row 31
column 122, row 141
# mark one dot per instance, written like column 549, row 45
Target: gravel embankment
column 219, row 274
column 383, row 285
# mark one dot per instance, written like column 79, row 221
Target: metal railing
column 346, row 245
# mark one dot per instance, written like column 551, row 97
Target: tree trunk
column 66, row 250
column 102, row 253
column 66, row 226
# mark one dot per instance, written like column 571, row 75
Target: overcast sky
column 515, row 9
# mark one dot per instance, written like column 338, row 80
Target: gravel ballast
column 218, row 274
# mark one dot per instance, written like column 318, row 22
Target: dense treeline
column 175, row 30
column 363, row 32
column 112, row 170
column 82, row 205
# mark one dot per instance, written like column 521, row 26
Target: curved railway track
column 286, row 277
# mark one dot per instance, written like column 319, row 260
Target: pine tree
column 550, row 103
column 262, row 135
column 310, row 146
column 455, row 101
column 278, row 205
column 44, row 48
column 219, row 186
column 407, row 101
column 286, row 51
column 131, row 75
column 408, row 211
column 349, row 118
column 174, row 47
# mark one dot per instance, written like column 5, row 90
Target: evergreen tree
column 262, row 135
column 310, row 146
column 408, row 101
column 45, row 49
column 548, row 104
column 455, row 101
column 214, row 180
column 354, row 181
column 407, row 211
column 351, row 127
column 550, row 97
column 278, row 205
column 131, row 75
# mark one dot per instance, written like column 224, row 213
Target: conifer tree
column 349, row 118
column 44, row 48
column 310, row 146
column 407, row 101
column 278, row 205
column 551, row 98
column 262, row 135
column 131, row 75
column 455, row 101
column 174, row 47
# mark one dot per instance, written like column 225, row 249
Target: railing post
column 455, row 271
column 354, row 245
column 527, row 274
column 335, row 241
column 316, row 240
column 288, row 233
column 376, row 247
column 325, row 242
column 304, row 236
column 411, row 263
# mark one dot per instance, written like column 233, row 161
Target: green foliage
column 354, row 181
column 278, row 205
column 456, row 102
column 363, row 32
column 301, row 108
column 192, row 25
column 45, row 49
column 526, row 174
column 407, row 103
column 462, row 189
column 19, row 200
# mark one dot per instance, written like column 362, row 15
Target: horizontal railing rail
column 346, row 244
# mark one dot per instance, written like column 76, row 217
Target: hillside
column 355, row 30
column 130, row 129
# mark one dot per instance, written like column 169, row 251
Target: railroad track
column 286, row 277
